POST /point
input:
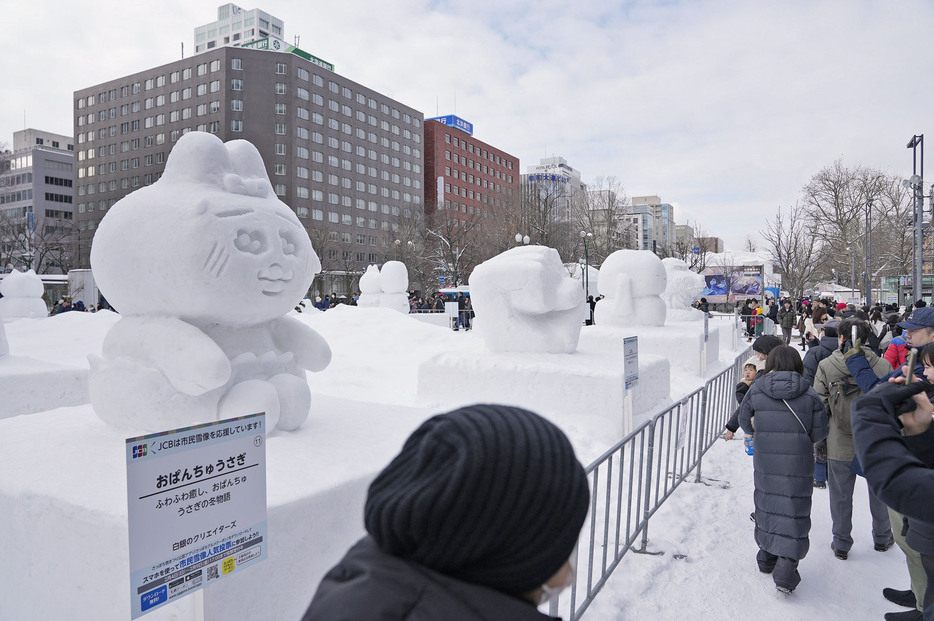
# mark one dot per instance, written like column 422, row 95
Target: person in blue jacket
column 918, row 331
column 895, row 446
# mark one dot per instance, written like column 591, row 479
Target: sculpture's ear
column 198, row 157
column 248, row 166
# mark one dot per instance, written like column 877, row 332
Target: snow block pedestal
column 29, row 386
column 63, row 514
column 586, row 387
column 679, row 343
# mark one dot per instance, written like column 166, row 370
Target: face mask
column 550, row 593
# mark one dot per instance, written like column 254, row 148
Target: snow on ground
column 718, row 579
column 375, row 351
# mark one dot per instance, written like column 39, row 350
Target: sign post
column 196, row 500
column 631, row 373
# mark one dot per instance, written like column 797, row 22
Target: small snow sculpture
column 385, row 287
column 22, row 296
column 203, row 266
column 683, row 287
column 526, row 302
column 631, row 282
column 369, row 288
column 394, row 280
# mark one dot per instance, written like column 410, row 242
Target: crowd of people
column 850, row 408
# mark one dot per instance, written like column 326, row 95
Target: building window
column 280, row 108
column 236, row 105
column 236, row 125
column 281, row 68
column 281, row 88
column 280, row 169
column 236, row 84
column 280, row 129
column 236, row 64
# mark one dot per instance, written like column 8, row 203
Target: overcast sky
column 724, row 108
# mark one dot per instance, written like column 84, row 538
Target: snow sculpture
column 631, row 282
column 369, row 288
column 394, row 280
column 386, row 287
column 22, row 296
column 526, row 302
column 203, row 266
column 682, row 289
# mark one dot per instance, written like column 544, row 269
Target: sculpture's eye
column 253, row 242
column 288, row 242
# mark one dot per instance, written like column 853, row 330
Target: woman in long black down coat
column 787, row 418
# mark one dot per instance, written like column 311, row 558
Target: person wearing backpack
column 838, row 390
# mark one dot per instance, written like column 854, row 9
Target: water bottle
column 747, row 443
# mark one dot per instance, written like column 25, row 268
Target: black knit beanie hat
column 766, row 343
column 487, row 494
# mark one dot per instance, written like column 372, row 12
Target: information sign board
column 196, row 500
column 631, row 360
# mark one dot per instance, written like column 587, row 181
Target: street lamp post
column 915, row 183
column 852, row 252
column 585, row 236
column 868, row 253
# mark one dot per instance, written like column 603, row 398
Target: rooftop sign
column 275, row 44
column 454, row 121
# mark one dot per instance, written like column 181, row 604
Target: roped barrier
column 630, row 482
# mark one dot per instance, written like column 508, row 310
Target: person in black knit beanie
column 476, row 518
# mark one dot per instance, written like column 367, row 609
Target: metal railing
column 631, row 481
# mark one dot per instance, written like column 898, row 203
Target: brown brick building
column 463, row 175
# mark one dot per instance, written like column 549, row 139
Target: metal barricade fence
column 631, row 481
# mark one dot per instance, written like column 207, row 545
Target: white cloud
column 724, row 107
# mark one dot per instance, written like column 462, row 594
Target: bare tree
column 795, row 248
column 545, row 214
column 684, row 249
column 750, row 244
column 602, row 211
column 836, row 199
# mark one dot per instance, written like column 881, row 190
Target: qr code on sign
column 212, row 572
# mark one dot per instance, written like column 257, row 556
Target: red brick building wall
column 477, row 177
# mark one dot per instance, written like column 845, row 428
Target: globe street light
column 585, row 236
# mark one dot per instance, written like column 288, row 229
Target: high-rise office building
column 550, row 186
column 659, row 225
column 37, row 203
column 464, row 176
column 236, row 26
column 347, row 159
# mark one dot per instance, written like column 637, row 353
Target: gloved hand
column 896, row 398
column 852, row 350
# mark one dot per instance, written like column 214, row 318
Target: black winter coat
column 369, row 584
column 784, row 458
column 824, row 348
column 899, row 469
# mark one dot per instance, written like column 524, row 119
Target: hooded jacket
column 826, row 346
column 833, row 369
column 784, row 458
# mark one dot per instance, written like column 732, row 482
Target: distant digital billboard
column 454, row 121
column 732, row 283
